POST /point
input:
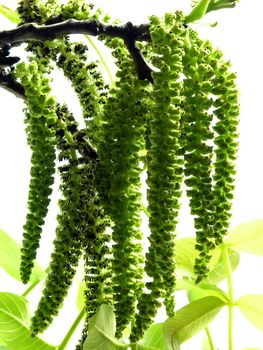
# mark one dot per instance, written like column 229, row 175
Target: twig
column 33, row 31
column 129, row 33
column 8, row 83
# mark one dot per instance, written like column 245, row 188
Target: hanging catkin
column 210, row 92
column 164, row 166
column 122, row 139
column 183, row 127
column 197, row 134
column 41, row 141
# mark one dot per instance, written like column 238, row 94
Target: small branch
column 33, row 31
column 143, row 70
column 129, row 33
column 8, row 83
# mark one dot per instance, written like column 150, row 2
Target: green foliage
column 14, row 324
column 153, row 338
column 9, row 14
column 10, row 259
column 191, row 319
column 247, row 237
column 202, row 7
column 102, row 328
column 203, row 290
column 251, row 306
column 218, row 274
column 186, row 254
column 198, row 11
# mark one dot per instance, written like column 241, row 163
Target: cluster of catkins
column 182, row 129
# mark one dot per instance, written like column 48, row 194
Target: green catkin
column 67, row 244
column 122, row 139
column 73, row 221
column 86, row 81
column 98, row 259
column 41, row 142
column 197, row 134
column 185, row 125
column 226, row 142
column 165, row 167
column 98, row 287
column 210, row 91
column 37, row 12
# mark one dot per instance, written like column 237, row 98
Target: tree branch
column 8, row 83
column 33, row 31
column 129, row 33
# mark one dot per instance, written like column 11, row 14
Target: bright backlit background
column 239, row 35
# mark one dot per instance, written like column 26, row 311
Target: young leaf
column 247, row 237
column 10, row 259
column 191, row 319
column 218, row 274
column 186, row 254
column 14, row 324
column 202, row 290
column 153, row 338
column 198, row 11
column 3, row 345
column 251, row 306
column 102, row 328
column 9, row 14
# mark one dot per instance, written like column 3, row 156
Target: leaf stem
column 72, row 330
column 209, row 337
column 30, row 288
column 101, row 59
column 34, row 284
column 230, row 295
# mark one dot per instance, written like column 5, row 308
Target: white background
column 239, row 35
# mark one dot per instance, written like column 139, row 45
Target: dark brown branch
column 33, row 31
column 8, row 83
column 143, row 70
column 128, row 32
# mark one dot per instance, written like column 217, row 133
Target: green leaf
column 9, row 14
column 3, row 345
column 191, row 319
column 10, row 259
column 14, row 324
column 202, row 290
column 218, row 274
column 198, row 11
column 153, row 338
column 251, row 306
column 185, row 254
column 221, row 4
column 101, row 332
column 247, row 237
column 2, row 342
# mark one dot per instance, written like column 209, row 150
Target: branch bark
column 8, row 83
column 129, row 33
column 33, row 31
